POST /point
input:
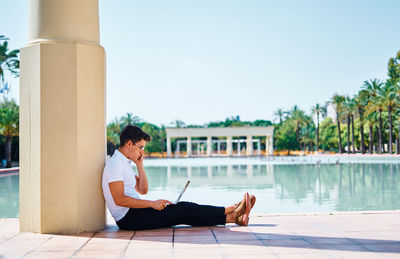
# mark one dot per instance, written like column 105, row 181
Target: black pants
column 187, row 213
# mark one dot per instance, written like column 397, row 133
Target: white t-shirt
column 118, row 168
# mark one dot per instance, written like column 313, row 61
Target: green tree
column 113, row 131
column 349, row 106
column 285, row 136
column 299, row 117
column 360, row 102
column 318, row 110
column 9, row 125
column 129, row 119
column 337, row 103
column 394, row 69
column 155, row 144
column 8, row 59
column 388, row 97
column 279, row 113
column 329, row 135
column 375, row 104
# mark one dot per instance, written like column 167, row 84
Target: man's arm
column 120, row 199
column 142, row 186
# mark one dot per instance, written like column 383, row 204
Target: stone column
column 271, row 145
column 229, row 146
column 238, row 147
column 189, row 147
column 62, row 119
column 169, row 149
column 269, row 149
column 209, row 146
column 258, row 147
column 218, row 146
column 249, row 145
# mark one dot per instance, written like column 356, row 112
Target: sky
column 206, row 60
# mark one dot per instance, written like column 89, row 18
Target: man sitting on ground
column 121, row 189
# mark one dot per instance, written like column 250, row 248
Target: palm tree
column 299, row 117
column 318, row 110
column 279, row 113
column 360, row 101
column 350, row 108
column 113, row 131
column 375, row 104
column 129, row 119
column 388, row 96
column 9, row 125
column 8, row 59
column 337, row 103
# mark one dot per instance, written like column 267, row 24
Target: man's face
column 136, row 150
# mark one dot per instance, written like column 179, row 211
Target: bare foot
column 230, row 209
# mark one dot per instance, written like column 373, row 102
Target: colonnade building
column 231, row 137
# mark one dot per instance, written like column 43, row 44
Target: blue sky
column 201, row 61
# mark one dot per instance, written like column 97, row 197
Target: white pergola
column 227, row 133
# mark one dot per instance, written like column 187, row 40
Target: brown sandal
column 243, row 210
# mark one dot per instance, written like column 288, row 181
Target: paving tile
column 394, row 248
column 253, row 256
column 329, row 241
column 352, row 255
column 155, row 232
column 227, row 237
column 149, row 253
column 346, row 235
column 194, row 239
column 287, row 243
column 350, row 248
column 62, row 243
column 49, row 254
column 198, row 257
column 201, row 245
column 189, row 252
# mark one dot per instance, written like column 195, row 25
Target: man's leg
column 182, row 213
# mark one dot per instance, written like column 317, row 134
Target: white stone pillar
column 169, row 150
column 249, row 145
column 238, row 147
column 62, row 119
column 209, row 146
column 218, row 146
column 229, row 145
column 178, row 146
column 271, row 145
column 258, row 147
column 269, row 150
column 189, row 147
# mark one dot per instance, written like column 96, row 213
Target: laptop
column 184, row 189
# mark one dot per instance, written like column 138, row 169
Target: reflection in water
column 289, row 188
column 9, row 196
column 279, row 188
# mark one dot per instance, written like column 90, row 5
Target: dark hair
column 134, row 134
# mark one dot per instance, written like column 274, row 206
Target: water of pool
column 278, row 188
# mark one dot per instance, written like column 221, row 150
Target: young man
column 121, row 189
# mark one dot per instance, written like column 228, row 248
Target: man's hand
column 138, row 161
column 160, row 204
